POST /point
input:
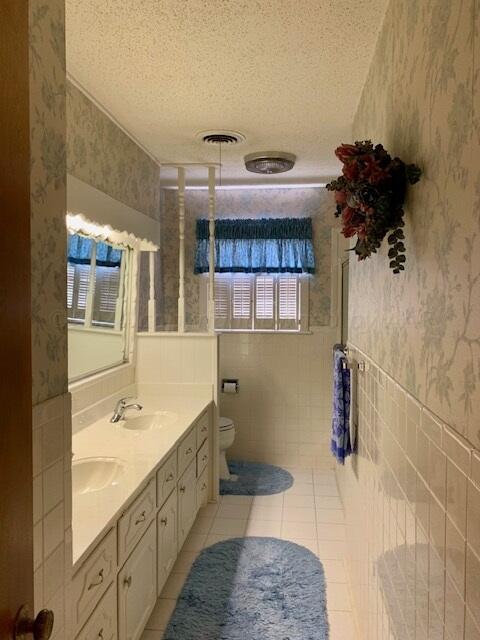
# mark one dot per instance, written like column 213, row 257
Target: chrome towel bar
column 361, row 366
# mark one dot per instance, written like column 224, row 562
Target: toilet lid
column 225, row 423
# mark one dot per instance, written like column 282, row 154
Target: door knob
column 39, row 628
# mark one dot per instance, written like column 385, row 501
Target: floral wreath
column 370, row 194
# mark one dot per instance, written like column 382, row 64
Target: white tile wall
column 412, row 505
column 52, row 504
column 282, row 412
column 175, row 358
column 101, row 385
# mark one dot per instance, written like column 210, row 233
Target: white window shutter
column 267, row 302
column 107, row 282
column 77, row 290
column 83, row 277
column 241, row 302
column 288, row 302
column 108, row 291
column 222, row 302
column 70, row 284
column 264, row 302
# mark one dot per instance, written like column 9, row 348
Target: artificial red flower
column 347, row 215
column 340, row 197
column 351, row 171
column 362, row 232
column 346, row 151
column 372, row 170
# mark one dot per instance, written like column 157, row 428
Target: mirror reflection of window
column 97, row 304
column 95, row 281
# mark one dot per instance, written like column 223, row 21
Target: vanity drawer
column 134, row 522
column 93, row 579
column 186, row 451
column 202, row 489
column 202, row 458
column 103, row 621
column 166, row 479
column 202, row 428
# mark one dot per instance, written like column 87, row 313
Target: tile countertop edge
column 186, row 421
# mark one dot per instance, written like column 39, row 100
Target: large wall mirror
column 98, row 275
column 105, row 240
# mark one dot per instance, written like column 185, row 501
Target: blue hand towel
column 340, row 444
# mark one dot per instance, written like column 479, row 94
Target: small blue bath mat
column 252, row 589
column 255, row 479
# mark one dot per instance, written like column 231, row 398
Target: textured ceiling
column 286, row 73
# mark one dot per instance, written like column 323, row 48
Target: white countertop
column 139, row 451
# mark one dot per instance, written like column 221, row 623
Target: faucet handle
column 123, row 401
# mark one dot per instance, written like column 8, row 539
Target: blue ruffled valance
column 266, row 245
column 80, row 252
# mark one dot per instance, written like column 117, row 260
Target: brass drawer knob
column 141, row 518
column 40, row 628
column 97, row 582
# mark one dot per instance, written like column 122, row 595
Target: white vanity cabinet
column 117, row 584
column 93, row 578
column 134, row 522
column 137, row 587
column 167, row 540
column 102, row 624
column 187, row 502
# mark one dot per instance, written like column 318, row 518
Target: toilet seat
column 225, row 424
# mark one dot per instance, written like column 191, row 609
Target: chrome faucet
column 121, row 407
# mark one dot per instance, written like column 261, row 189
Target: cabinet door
column 102, row 624
column 187, row 502
column 137, row 587
column 167, row 539
column 202, row 489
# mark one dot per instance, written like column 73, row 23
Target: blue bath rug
column 252, row 589
column 255, row 479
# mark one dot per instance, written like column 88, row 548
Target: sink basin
column 150, row 421
column 94, row 474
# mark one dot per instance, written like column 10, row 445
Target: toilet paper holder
column 230, row 381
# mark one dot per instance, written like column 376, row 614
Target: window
column 268, row 302
column 98, row 300
column 261, row 272
column 78, row 277
column 107, row 284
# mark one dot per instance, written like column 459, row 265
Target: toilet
column 226, row 438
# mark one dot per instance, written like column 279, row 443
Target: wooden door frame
column 16, row 472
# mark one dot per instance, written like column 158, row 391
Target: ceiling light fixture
column 269, row 162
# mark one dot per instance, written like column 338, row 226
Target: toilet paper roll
column 229, row 387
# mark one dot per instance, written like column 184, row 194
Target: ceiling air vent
column 269, row 162
column 221, row 137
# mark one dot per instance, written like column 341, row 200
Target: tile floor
column 309, row 513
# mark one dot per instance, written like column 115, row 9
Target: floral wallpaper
column 48, row 198
column 422, row 101
column 102, row 155
column 313, row 202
